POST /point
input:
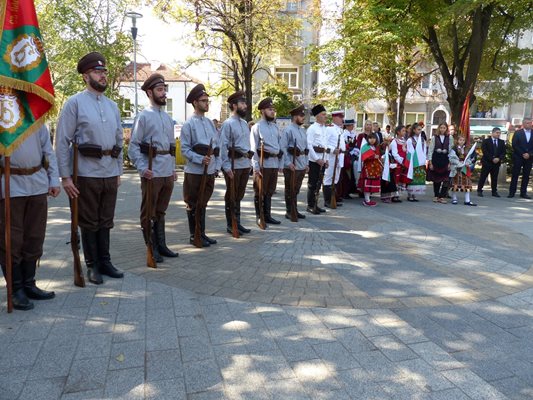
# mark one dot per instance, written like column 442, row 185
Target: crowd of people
column 339, row 165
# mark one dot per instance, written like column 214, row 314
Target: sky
column 161, row 42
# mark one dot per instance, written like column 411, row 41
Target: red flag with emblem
column 26, row 90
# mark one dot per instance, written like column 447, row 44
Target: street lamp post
column 134, row 17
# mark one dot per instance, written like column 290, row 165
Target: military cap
column 236, row 97
column 317, row 109
column 349, row 122
column 89, row 61
column 300, row 110
column 337, row 112
column 265, row 103
column 196, row 92
column 153, row 81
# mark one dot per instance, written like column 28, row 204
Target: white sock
column 454, row 196
column 367, row 197
column 467, row 197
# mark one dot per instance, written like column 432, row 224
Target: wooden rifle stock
column 234, row 224
column 199, row 202
column 319, row 182
column 333, row 201
column 294, row 210
column 74, row 234
column 262, row 223
column 150, row 261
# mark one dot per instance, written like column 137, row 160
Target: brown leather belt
column 319, row 150
column 299, row 152
column 22, row 171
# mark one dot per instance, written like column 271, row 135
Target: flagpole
column 7, row 219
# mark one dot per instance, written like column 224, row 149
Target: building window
column 292, row 6
column 425, row 83
column 168, row 107
column 359, row 120
column 289, row 76
column 411, row 118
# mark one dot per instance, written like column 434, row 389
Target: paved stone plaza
column 401, row 301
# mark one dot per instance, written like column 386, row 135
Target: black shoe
column 20, row 300
column 34, row 293
column 479, row 193
column 300, row 215
column 322, row 210
column 396, row 200
column 205, row 243
column 242, row 229
column 313, row 211
column 287, row 216
column 525, row 196
column 211, row 241
column 270, row 220
column 469, row 203
column 495, row 194
column 510, row 196
column 108, row 269
column 94, row 276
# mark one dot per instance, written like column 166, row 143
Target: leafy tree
column 73, row 28
column 239, row 35
column 472, row 42
column 281, row 96
column 376, row 54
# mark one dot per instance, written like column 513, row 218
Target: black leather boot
column 228, row 218
column 327, row 196
column 191, row 217
column 257, row 213
column 288, row 207
column 155, row 252
column 89, row 240
column 242, row 229
column 204, row 236
column 105, row 266
column 159, row 227
column 30, row 288
column 268, row 211
column 19, row 298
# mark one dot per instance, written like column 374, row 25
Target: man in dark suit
column 493, row 149
column 522, row 159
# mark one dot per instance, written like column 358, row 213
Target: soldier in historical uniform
column 336, row 148
column 295, row 157
column 266, row 132
column 235, row 134
column 93, row 120
column 316, row 144
column 34, row 176
column 154, row 126
column 197, row 134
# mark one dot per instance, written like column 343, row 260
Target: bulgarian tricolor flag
column 364, row 147
column 26, row 90
column 386, row 166
column 366, row 151
column 416, row 156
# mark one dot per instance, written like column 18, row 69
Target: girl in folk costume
column 416, row 162
column 439, row 163
column 389, row 191
column 398, row 149
column 371, row 169
column 462, row 157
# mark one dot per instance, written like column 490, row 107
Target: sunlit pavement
column 400, row 301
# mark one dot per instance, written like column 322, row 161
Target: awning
column 478, row 130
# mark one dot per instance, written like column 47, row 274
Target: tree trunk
column 392, row 111
column 401, row 106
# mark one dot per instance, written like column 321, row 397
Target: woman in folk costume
column 439, row 162
column 398, row 148
column 371, row 169
column 416, row 161
column 462, row 157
